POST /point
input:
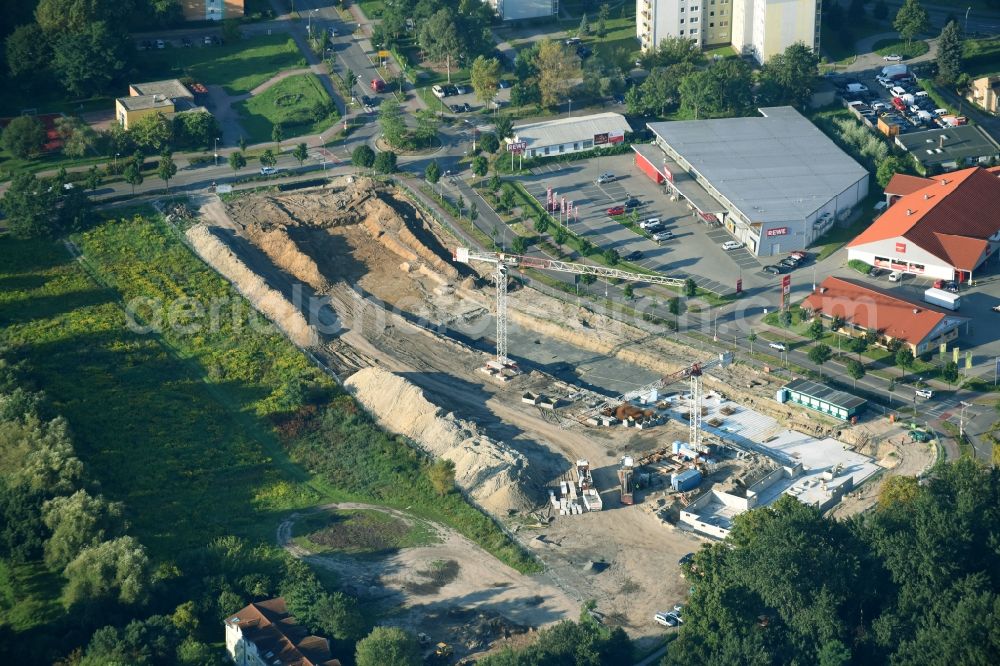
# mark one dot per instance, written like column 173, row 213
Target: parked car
column 778, row 346
column 773, row 269
column 632, row 202
column 438, row 92
column 456, row 108
column 463, row 90
column 207, row 41
column 664, row 619
column 927, row 394
column 606, row 177
column 732, row 245
column 503, row 84
column 616, row 210
column 662, row 236
column 634, row 255
column 583, row 52
column 378, row 85
column 268, row 171
column 649, row 222
column 160, row 44
column 801, row 255
column 572, row 41
column 788, row 262
column 186, row 41
column 892, row 58
column 450, row 90
column 947, row 285
column 687, row 558
column 675, row 617
column 996, row 308
column 467, row 108
column 618, row 98
column 895, row 276
column 876, row 272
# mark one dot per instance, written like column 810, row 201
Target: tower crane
column 503, row 262
column 694, row 372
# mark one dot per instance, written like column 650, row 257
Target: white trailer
column 943, row 299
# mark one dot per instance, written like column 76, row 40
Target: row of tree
column 913, row 582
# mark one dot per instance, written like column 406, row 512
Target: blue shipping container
column 685, row 480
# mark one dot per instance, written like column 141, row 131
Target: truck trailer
column 943, row 299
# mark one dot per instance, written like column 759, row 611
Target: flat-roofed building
column 570, row 135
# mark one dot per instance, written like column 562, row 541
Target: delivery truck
column 943, row 299
column 890, row 71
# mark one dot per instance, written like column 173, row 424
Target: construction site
column 609, row 450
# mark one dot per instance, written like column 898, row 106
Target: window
column 561, row 147
column 694, row 19
column 711, row 25
column 711, row 13
column 692, row 31
column 723, row 23
column 682, row 20
column 546, row 150
column 682, row 9
column 576, row 146
column 588, row 143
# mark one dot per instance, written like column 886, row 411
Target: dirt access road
column 481, row 582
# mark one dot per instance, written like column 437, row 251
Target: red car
column 617, row 210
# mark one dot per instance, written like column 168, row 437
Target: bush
column 24, row 137
column 363, row 157
column 385, row 162
column 860, row 266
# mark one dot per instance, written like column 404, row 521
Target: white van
column 895, row 276
column 897, row 91
column 438, row 92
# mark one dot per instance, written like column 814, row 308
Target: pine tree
column 949, row 56
column 584, row 27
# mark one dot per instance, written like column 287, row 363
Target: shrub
column 860, row 266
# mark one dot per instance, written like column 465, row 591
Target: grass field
column 359, row 532
column 289, row 102
column 981, row 57
column 239, row 66
column 917, row 47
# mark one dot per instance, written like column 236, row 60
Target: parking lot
column 919, row 113
column 694, row 251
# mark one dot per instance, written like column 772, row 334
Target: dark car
column 773, row 269
column 687, row 558
column 503, row 84
column 875, row 272
column 788, row 263
column 366, row 100
column 457, row 108
column 618, row 98
column 467, row 108
column 186, row 41
column 583, row 51
column 616, row 210
column 450, row 90
column 632, row 203
column 635, row 255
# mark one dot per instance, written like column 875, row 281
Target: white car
column 663, row 236
column 892, row 58
column 666, row 619
column 438, row 92
column 895, row 276
column 732, row 245
column 268, row 171
column 651, row 222
column 778, row 346
column 605, row 178
column 925, row 393
column 675, row 617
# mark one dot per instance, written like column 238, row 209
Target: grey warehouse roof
column 959, row 143
column 825, row 393
column 774, row 168
column 569, row 130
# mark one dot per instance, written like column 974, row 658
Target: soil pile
column 267, row 300
column 494, row 474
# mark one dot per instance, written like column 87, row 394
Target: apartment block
column 211, row 10
column 759, row 28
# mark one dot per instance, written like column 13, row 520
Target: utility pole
column 967, row 19
column 216, row 151
column 961, row 422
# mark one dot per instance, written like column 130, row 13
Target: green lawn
column 289, row 102
column 372, row 8
column 238, row 67
column 981, row 57
column 917, row 47
column 360, row 532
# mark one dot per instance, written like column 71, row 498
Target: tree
column 166, row 169
column 427, row 127
column 197, row 130
column 473, row 211
column 268, row 159
column 519, row 245
column 949, row 54
column 611, row 256
column 118, row 568
column 442, row 476
column 236, row 160
column 525, row 93
column 785, row 318
column 888, row 168
column 28, row 204
column 439, row 36
column 858, row 345
column 629, row 291
column 695, row 91
column 541, row 224
column 602, row 20
column 792, row 74
column 674, row 306
column 507, row 199
column 132, row 175
column 76, row 522
column 432, row 174
column 24, row 137
column 751, row 338
column 494, row 183
column 855, row 369
column 89, row 61
column 480, row 166
column 489, row 142
column 586, row 247
column 690, row 288
column 300, row 152
column 388, row 645
column 277, row 133
column 820, row 354
column 904, row 357
column 485, row 78
column 385, row 162
column 584, row 28
column 231, row 30
column 29, row 54
column 390, row 118
column 911, row 20
column 816, row 329
column 242, row 143
column 560, row 236
column 60, row 16
column 950, row 372
column 153, row 132
column 558, row 69
column 93, row 179
column 363, row 157
column 78, row 138
column 504, row 126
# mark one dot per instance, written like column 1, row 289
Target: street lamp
column 216, row 151
column 967, row 19
column 570, row 108
column 117, row 155
column 309, row 28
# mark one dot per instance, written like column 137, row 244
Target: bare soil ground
column 385, row 276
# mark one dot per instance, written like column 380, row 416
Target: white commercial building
column 513, row 10
column 759, row 28
column 570, row 135
column 777, row 182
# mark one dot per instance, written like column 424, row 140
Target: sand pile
column 285, row 254
column 495, row 475
column 267, row 300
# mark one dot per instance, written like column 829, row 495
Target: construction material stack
column 625, row 477
column 585, row 482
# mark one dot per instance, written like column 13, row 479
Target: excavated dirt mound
column 494, row 474
column 266, row 299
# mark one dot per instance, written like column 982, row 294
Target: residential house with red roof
column 945, row 229
column 264, row 634
column 863, row 308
